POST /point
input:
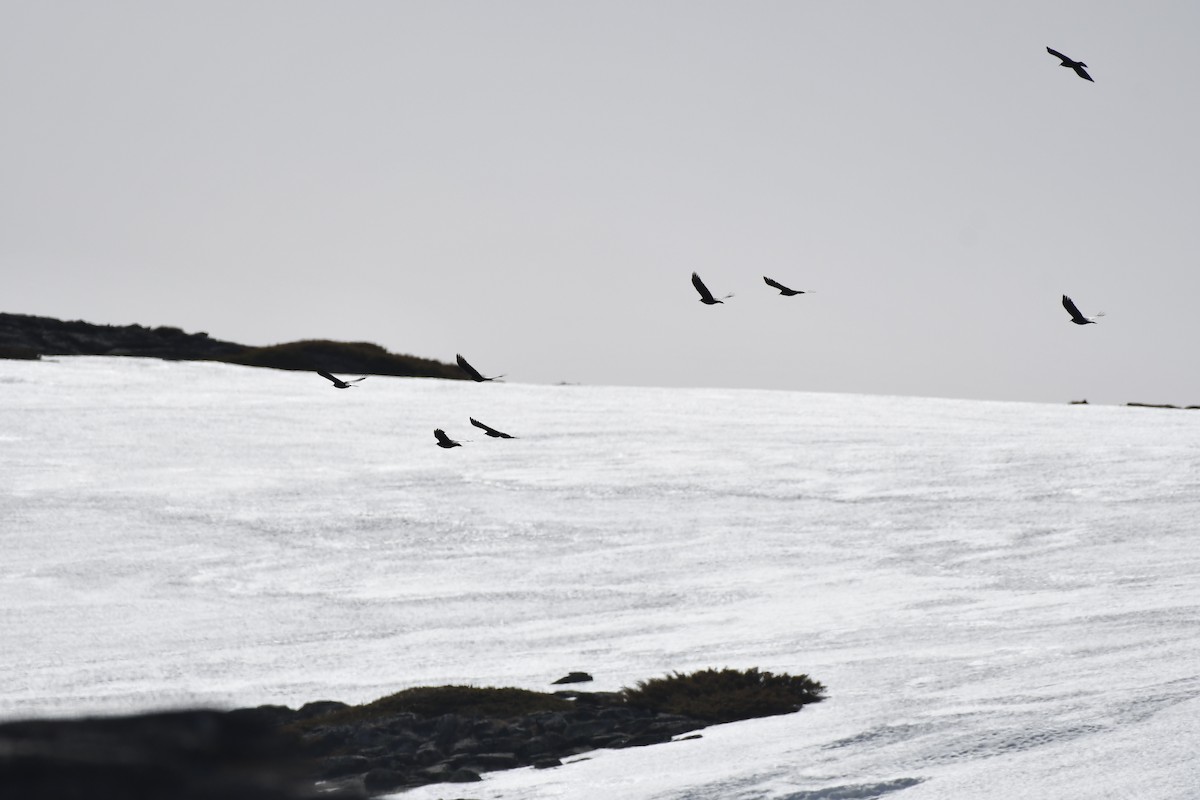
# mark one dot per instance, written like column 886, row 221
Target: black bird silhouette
column 706, row 296
column 443, row 440
column 1076, row 317
column 490, row 431
column 783, row 290
column 338, row 383
column 1078, row 66
column 474, row 373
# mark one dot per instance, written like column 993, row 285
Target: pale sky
column 532, row 184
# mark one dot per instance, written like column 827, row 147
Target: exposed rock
column 185, row 755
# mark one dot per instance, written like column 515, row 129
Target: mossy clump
column 725, row 695
column 434, row 701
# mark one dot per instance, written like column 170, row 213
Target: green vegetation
column 726, row 695
column 708, row 696
column 361, row 357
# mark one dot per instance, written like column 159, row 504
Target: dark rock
column 464, row 775
column 546, row 763
column 337, row 766
column 573, row 677
column 384, row 780
column 184, row 755
column 488, row 761
column 428, row 753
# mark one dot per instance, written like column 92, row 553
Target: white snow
column 1003, row 599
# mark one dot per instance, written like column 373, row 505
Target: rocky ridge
column 29, row 337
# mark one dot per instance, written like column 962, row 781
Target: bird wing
column 1057, row 54
column 327, row 376
column 1071, row 308
column 487, row 428
column 1081, row 72
column 363, row 378
column 467, row 368
column 441, row 436
column 705, row 294
column 775, row 284
column 490, row 430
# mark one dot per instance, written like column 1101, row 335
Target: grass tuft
column 726, row 695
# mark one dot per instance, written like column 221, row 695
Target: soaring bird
column 706, row 296
column 490, row 431
column 443, row 440
column 338, row 383
column 1076, row 317
column 1078, row 66
column 474, row 373
column 783, row 290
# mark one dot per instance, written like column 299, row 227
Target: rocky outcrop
column 403, row 750
column 327, row 749
column 23, row 336
column 184, row 755
column 276, row 753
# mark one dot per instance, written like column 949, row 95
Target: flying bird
column 474, row 373
column 1076, row 317
column 706, row 296
column 338, row 383
column 1078, row 66
column 783, row 290
column 490, row 431
column 443, row 440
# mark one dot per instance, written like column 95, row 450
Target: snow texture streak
column 1003, row 599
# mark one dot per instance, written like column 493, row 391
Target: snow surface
column 1003, row 599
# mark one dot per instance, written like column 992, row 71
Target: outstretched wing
column 1058, row 55
column 784, row 289
column 490, row 431
column 705, row 294
column 329, row 377
column 1071, row 308
column 467, row 368
column 356, row 380
column 1081, row 72
column 442, row 438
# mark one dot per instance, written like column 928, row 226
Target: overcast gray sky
column 532, row 184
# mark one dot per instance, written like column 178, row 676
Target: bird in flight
column 783, row 290
column 443, row 440
column 490, row 431
column 1076, row 317
column 1078, row 66
column 474, row 373
column 706, row 296
column 338, row 383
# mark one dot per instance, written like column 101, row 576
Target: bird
column 443, row 440
column 1076, row 317
column 490, row 431
column 474, row 373
column 1078, row 66
column 706, row 296
column 338, row 383
column 783, row 290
